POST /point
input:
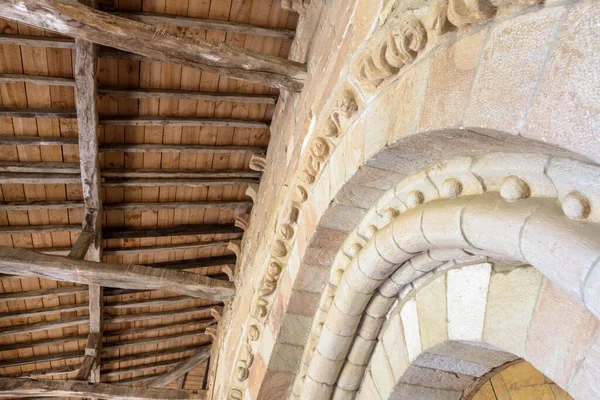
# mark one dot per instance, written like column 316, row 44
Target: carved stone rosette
column 317, row 156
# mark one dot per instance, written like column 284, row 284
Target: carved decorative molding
column 242, row 221
column 258, row 162
column 299, row 6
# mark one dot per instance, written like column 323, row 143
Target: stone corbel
column 252, row 192
column 299, row 6
column 258, row 162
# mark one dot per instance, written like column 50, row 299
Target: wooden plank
column 37, row 41
column 178, row 230
column 197, row 262
column 197, row 23
column 36, row 140
column 141, row 368
column 15, row 362
column 37, row 229
column 23, row 178
column 36, row 294
column 39, row 167
column 178, row 148
column 142, row 182
column 114, row 319
column 73, row 19
column 82, row 245
column 156, row 120
column 43, row 342
column 6, row 112
column 92, row 356
column 57, row 388
column 154, row 340
column 46, row 372
column 43, row 326
column 144, row 93
column 180, row 369
column 152, row 354
column 39, row 205
column 147, row 303
column 174, row 205
column 39, row 312
column 168, row 247
column 178, row 173
column 29, row 263
column 204, row 322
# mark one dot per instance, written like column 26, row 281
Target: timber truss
column 131, row 36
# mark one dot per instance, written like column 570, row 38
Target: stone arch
column 512, row 207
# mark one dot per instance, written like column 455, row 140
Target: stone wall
column 456, row 83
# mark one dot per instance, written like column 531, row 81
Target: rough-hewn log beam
column 91, row 359
column 196, row 262
column 70, row 18
column 179, row 173
column 43, row 326
column 29, row 263
column 152, row 354
column 37, row 113
column 154, row 315
column 197, row 23
column 36, row 141
column 174, row 205
column 201, row 322
column 20, row 229
column 141, row 368
column 172, row 247
column 38, row 41
column 182, row 368
column 171, row 182
column 15, row 362
column 39, row 312
column 41, row 205
column 154, row 340
column 10, row 387
column 178, row 148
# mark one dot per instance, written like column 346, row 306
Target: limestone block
column 586, row 384
column 560, row 335
column 340, row 323
column 500, row 97
column 368, row 391
column 467, row 296
column 311, row 278
column 341, row 217
column 407, row 232
column 285, row 357
column 333, row 346
column 446, row 254
column 369, row 327
column 592, row 291
column 354, row 149
column 404, row 391
column 372, row 264
column 545, row 245
column 358, row 196
column 315, row 390
column 431, row 307
column 394, row 346
column 379, row 305
column 321, row 194
column 358, row 280
column 424, row 263
column 491, row 223
column 389, row 288
column 389, row 250
column 294, row 329
column 428, row 377
column 382, row 373
column 472, row 352
column 405, row 275
column 450, row 364
column 442, row 223
column 415, row 183
column 410, row 322
column 351, row 376
column 453, row 178
column 570, row 126
column 361, row 351
column 337, row 174
column 324, row 370
column 349, row 301
column 510, row 304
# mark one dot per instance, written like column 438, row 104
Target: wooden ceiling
column 175, row 145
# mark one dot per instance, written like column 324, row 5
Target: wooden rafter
column 70, row 18
column 167, row 205
column 180, row 369
column 29, row 263
column 28, row 388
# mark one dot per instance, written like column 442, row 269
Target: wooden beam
column 154, row 340
column 196, row 262
column 152, row 354
column 16, row 362
column 43, row 342
column 116, row 319
column 169, row 247
column 179, row 173
column 70, row 18
column 201, row 323
column 178, row 148
column 36, row 141
column 91, row 359
column 39, row 312
column 10, row 387
column 37, row 41
column 178, row 230
column 174, row 205
column 180, row 369
column 43, row 326
column 41, row 205
column 146, row 93
column 167, row 182
column 197, row 23
column 136, row 379
column 39, row 167
column 37, row 113
column 21, row 229
column 46, row 372
column 155, row 120
column 141, row 368
column 29, row 263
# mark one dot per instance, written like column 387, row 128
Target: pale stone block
column 415, row 183
column 500, row 97
column 395, row 347
column 441, row 223
column 586, row 384
column 349, row 301
column 455, row 169
column 570, row 126
column 370, row 327
column 388, row 249
column 315, row 390
column 321, row 195
column 341, row 394
column 444, row 255
column 510, row 304
column 358, row 280
column 285, row 357
column 294, row 329
column 368, row 390
column 333, row 346
column 379, row 305
column 424, row 263
column 431, row 307
column 432, row 378
column 358, row 196
column 354, row 148
column 410, row 322
column 592, row 291
column 407, row 232
column 451, row 364
column 491, row 223
column 404, row 391
column 381, row 372
column 372, row 264
column 473, row 352
column 405, row 275
column 467, row 295
column 389, row 288
column 560, row 335
column 340, row 323
column 376, row 129
column 337, row 174
column 361, row 350
column 551, row 242
column 351, row 376
column 324, row 370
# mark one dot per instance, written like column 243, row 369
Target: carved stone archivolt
column 316, row 157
